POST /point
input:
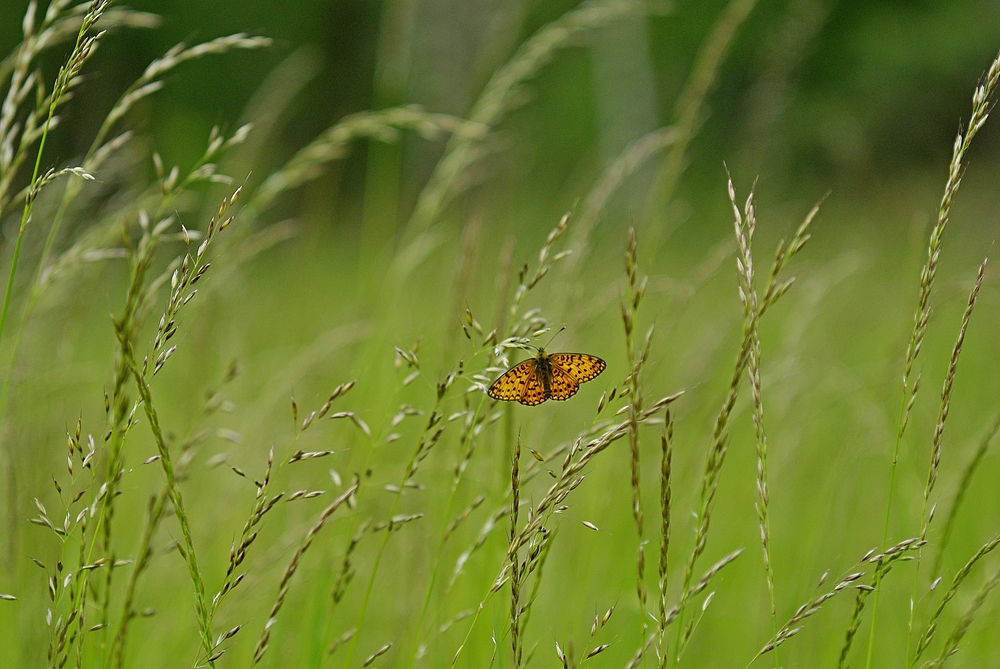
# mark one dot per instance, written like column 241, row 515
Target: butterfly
column 555, row 376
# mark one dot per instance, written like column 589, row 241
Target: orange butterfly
column 557, row 377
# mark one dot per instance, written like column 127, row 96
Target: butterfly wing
column 562, row 386
column 511, row 383
column 534, row 392
column 580, row 366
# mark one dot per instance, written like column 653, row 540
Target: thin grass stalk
column 794, row 625
column 630, row 305
column 666, row 458
column 571, row 475
column 568, row 479
column 155, row 515
column 99, row 151
column 980, row 112
column 176, row 499
column 748, row 296
column 428, row 438
column 963, row 624
column 121, row 408
column 852, row 627
column 383, row 125
column 293, row 565
column 673, row 613
column 82, row 51
column 960, row 492
column 529, row 322
column 936, row 444
column 116, row 655
column 191, row 269
column 516, row 568
column 148, row 83
column 630, row 160
column 535, row 564
column 956, row 582
column 689, row 112
column 776, row 288
column 499, row 97
column 468, row 439
column 475, row 420
column 58, row 24
column 884, row 562
column 127, row 325
column 119, row 420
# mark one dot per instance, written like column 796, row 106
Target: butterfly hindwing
column 511, row 383
column 562, row 385
column 534, row 392
column 580, row 366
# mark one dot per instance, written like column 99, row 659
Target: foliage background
column 859, row 99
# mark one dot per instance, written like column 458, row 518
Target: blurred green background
column 861, row 99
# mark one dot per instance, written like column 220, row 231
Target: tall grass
column 452, row 530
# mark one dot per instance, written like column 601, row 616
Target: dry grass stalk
column 980, row 112
column 286, row 578
column 748, row 296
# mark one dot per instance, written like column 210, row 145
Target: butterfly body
column 555, row 376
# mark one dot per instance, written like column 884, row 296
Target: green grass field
column 244, row 419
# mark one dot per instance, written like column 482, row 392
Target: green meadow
column 264, row 260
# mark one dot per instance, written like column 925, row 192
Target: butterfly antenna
column 553, row 337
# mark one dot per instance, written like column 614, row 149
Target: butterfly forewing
column 511, row 383
column 580, row 366
column 562, row 386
